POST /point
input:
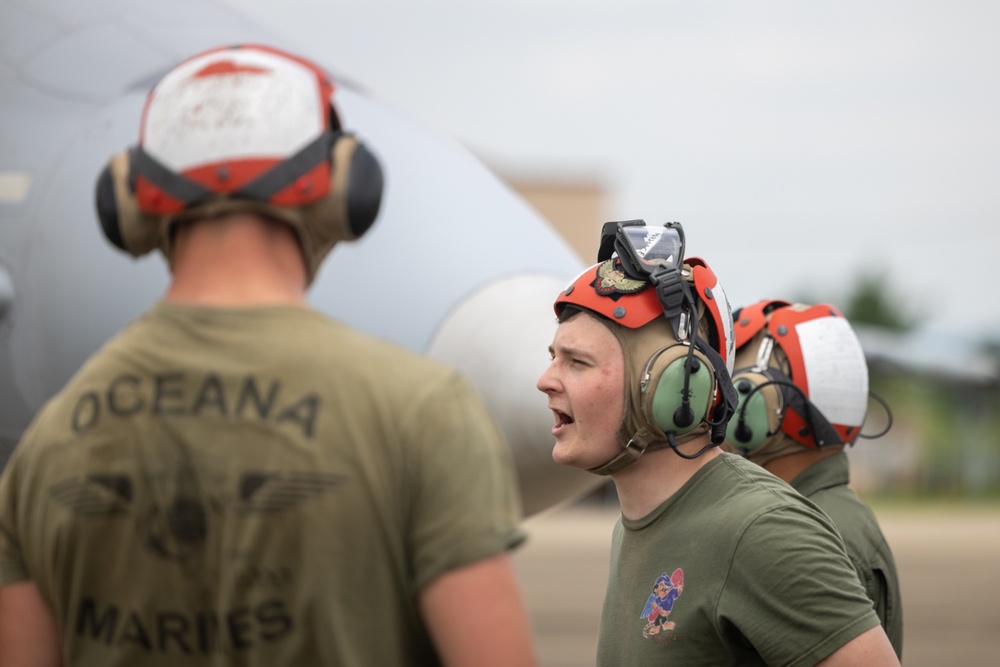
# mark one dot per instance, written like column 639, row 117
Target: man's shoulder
column 357, row 346
column 286, row 333
column 749, row 492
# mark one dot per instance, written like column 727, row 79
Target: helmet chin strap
column 628, row 456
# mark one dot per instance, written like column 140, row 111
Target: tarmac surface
column 948, row 561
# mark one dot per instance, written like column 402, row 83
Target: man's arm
column 28, row 633
column 476, row 618
column 870, row 648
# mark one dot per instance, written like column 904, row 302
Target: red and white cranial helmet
column 241, row 128
column 677, row 387
column 227, row 116
column 815, row 349
column 606, row 289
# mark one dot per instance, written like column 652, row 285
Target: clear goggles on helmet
column 643, row 250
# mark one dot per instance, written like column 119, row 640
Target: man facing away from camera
column 236, row 478
column 802, row 379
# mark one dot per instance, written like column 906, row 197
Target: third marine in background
column 802, row 379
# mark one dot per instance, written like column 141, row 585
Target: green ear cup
column 750, row 431
column 667, row 407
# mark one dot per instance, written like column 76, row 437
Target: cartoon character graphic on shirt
column 661, row 603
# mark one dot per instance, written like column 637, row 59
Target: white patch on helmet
column 836, row 370
column 193, row 121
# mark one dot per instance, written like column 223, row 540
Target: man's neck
column 791, row 466
column 236, row 261
column 657, row 475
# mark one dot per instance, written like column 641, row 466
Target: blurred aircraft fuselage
column 457, row 266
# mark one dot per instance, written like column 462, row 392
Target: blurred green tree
column 871, row 301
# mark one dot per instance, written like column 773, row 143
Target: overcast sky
column 800, row 143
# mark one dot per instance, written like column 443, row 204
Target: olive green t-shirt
column 826, row 484
column 736, row 568
column 257, row 486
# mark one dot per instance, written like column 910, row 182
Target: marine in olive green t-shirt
column 258, row 486
column 736, row 568
column 826, row 484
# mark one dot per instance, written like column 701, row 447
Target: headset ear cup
column 107, row 207
column 357, row 186
column 365, row 183
column 667, row 408
column 124, row 225
column 750, row 426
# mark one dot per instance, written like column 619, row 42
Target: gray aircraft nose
column 499, row 337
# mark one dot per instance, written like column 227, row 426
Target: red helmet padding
column 705, row 283
column 230, row 175
column 154, row 201
column 753, row 319
column 631, row 303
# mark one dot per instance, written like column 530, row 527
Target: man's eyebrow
column 570, row 351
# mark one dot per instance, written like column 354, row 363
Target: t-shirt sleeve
column 465, row 503
column 792, row 592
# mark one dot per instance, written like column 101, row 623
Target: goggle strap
column 176, row 185
column 282, row 175
column 261, row 189
column 725, row 381
column 674, row 294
